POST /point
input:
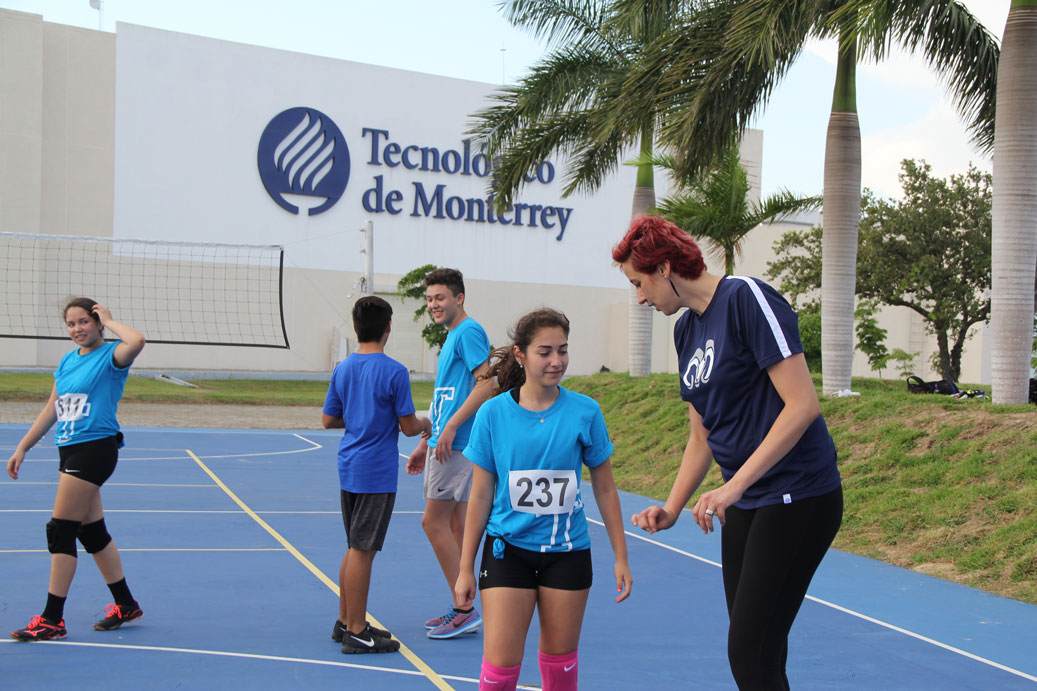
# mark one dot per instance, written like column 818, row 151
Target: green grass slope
column 944, row 486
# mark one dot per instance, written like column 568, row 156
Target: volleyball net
column 173, row 292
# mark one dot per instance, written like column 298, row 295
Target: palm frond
column 646, row 20
column 567, row 80
column 565, row 22
column 954, row 42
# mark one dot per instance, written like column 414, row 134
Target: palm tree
column 715, row 205
column 704, row 100
column 1014, row 215
column 567, row 105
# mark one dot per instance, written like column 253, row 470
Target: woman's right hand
column 14, row 463
column 654, row 519
column 464, row 588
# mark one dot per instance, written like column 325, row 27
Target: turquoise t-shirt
column 538, row 458
column 466, row 348
column 89, row 388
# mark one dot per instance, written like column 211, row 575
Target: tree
column 797, row 268
column 412, row 286
column 929, row 252
column 1015, row 206
column 871, row 338
column 704, row 99
column 568, row 105
column 714, row 204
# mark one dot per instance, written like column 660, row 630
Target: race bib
column 71, row 407
column 542, row 491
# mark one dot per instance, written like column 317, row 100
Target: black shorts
column 93, row 461
column 366, row 518
column 523, row 568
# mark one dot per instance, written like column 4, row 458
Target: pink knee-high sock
column 559, row 672
column 494, row 678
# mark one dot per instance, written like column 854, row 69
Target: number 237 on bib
column 542, row 492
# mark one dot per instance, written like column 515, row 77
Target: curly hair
column 503, row 364
column 652, row 240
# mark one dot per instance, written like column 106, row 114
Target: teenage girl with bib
column 529, row 445
column 88, row 384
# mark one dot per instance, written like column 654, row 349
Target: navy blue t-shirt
column 723, row 355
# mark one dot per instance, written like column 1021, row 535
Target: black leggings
column 769, row 556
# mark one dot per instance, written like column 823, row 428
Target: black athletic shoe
column 40, row 629
column 340, row 630
column 367, row 642
column 117, row 615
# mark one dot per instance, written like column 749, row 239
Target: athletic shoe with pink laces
column 117, row 615
column 455, row 623
column 40, row 629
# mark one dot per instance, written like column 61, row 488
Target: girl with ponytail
column 528, row 447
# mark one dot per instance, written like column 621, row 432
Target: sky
column 902, row 106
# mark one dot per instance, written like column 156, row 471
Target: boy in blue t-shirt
column 369, row 396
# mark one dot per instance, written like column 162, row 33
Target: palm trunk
column 1014, row 214
column 842, row 208
column 640, row 356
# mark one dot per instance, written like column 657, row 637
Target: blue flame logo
column 303, row 158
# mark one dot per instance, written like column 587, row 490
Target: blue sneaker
column 455, row 623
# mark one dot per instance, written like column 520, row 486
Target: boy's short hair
column 451, row 278
column 371, row 317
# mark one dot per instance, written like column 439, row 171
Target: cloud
column 938, row 137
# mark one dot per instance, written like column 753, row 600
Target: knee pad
column 94, row 536
column 61, row 536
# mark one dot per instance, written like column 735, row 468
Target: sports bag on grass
column 945, row 387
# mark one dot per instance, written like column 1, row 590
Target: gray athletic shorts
column 366, row 518
column 451, row 480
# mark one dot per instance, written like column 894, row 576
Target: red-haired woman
column 752, row 406
column 88, row 384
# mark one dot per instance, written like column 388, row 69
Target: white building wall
column 150, row 134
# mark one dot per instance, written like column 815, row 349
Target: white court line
column 130, row 511
column 217, row 511
column 221, row 653
column 314, row 446
column 859, row 615
column 255, row 656
column 163, row 549
column 118, row 484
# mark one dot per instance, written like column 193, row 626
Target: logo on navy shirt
column 699, row 367
column 303, row 158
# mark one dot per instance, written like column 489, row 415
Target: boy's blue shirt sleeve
column 403, row 401
column 332, row 402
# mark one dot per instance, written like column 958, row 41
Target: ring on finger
column 711, row 512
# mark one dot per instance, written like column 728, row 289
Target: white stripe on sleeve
column 779, row 335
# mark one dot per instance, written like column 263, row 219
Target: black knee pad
column 61, row 536
column 94, row 536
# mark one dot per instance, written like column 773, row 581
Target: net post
column 368, row 252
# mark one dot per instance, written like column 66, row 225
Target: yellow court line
column 420, row 664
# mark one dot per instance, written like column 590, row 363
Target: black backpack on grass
column 944, row 386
